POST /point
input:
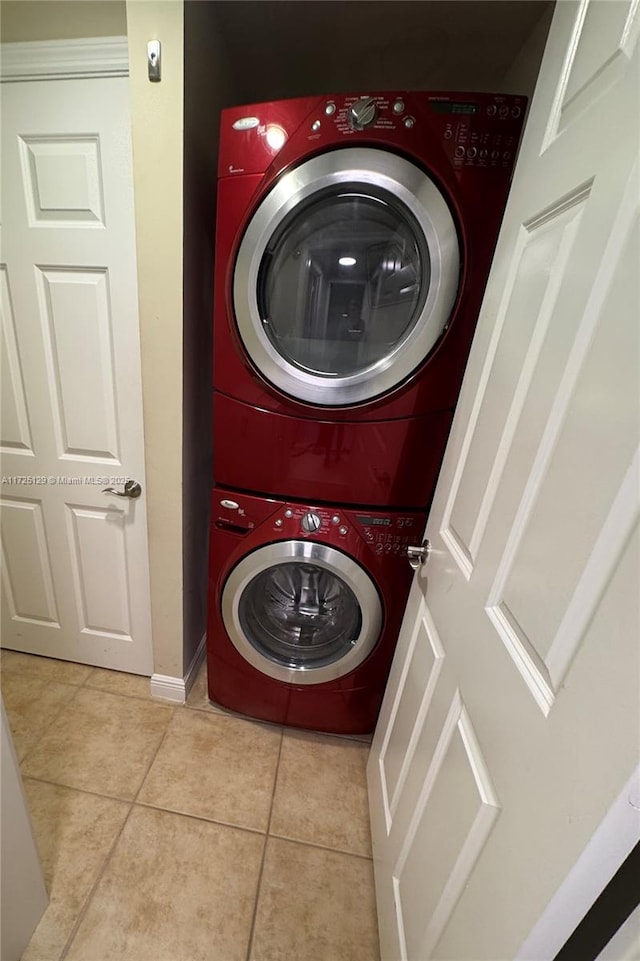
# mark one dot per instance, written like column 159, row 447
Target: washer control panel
column 311, row 520
column 476, row 130
column 390, row 534
column 384, row 531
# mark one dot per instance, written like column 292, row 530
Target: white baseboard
column 177, row 688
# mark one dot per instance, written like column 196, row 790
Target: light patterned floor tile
column 315, row 905
column 321, row 792
column 74, row 832
column 66, row 672
column 215, row 767
column 175, row 889
column 32, row 703
column 100, row 742
column 116, row 682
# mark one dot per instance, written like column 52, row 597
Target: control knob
column 363, row 113
column 310, row 523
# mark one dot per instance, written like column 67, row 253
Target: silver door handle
column 418, row 555
column 131, row 489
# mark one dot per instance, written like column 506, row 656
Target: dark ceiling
column 285, row 48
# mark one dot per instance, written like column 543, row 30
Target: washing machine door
column 346, row 276
column 301, row 612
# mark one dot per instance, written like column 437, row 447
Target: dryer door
column 301, row 612
column 346, row 276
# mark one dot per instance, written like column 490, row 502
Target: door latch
column 418, row 555
column 153, row 60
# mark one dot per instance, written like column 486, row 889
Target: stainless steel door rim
column 331, row 560
column 352, row 168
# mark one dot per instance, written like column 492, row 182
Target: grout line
column 87, row 901
column 80, row 790
column 201, row 817
column 231, row 715
column 155, row 755
column 84, row 907
column 322, row 847
column 252, row 929
column 62, row 707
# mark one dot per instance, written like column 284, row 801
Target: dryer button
column 343, row 529
column 230, row 505
column 310, row 523
column 279, row 522
column 335, row 519
column 330, row 108
column 288, row 512
column 398, row 106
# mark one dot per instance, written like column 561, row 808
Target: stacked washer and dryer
column 354, row 240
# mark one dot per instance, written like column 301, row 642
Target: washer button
column 231, row 505
column 279, row 522
column 503, row 112
column 288, row 512
column 398, row 106
column 491, row 110
column 343, row 529
column 330, row 108
column 335, row 519
column 409, row 122
column 316, row 125
column 471, row 153
column 459, row 152
column 515, row 112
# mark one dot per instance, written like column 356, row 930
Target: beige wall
column 22, row 20
column 207, row 90
column 521, row 77
column 157, row 130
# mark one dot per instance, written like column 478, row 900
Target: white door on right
column 510, row 722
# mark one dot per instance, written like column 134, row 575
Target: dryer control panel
column 474, row 130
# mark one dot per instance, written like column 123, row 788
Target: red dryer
column 305, row 608
column 354, row 240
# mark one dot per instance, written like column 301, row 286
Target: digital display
column 450, row 106
column 374, row 521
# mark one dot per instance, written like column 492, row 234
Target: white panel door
column 75, row 575
column 510, row 722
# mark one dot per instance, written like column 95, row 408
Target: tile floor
column 185, row 833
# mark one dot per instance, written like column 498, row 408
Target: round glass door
column 346, row 276
column 301, row 612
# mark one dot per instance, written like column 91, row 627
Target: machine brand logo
column 246, row 123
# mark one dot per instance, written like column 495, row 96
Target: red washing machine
column 306, row 606
column 354, row 240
